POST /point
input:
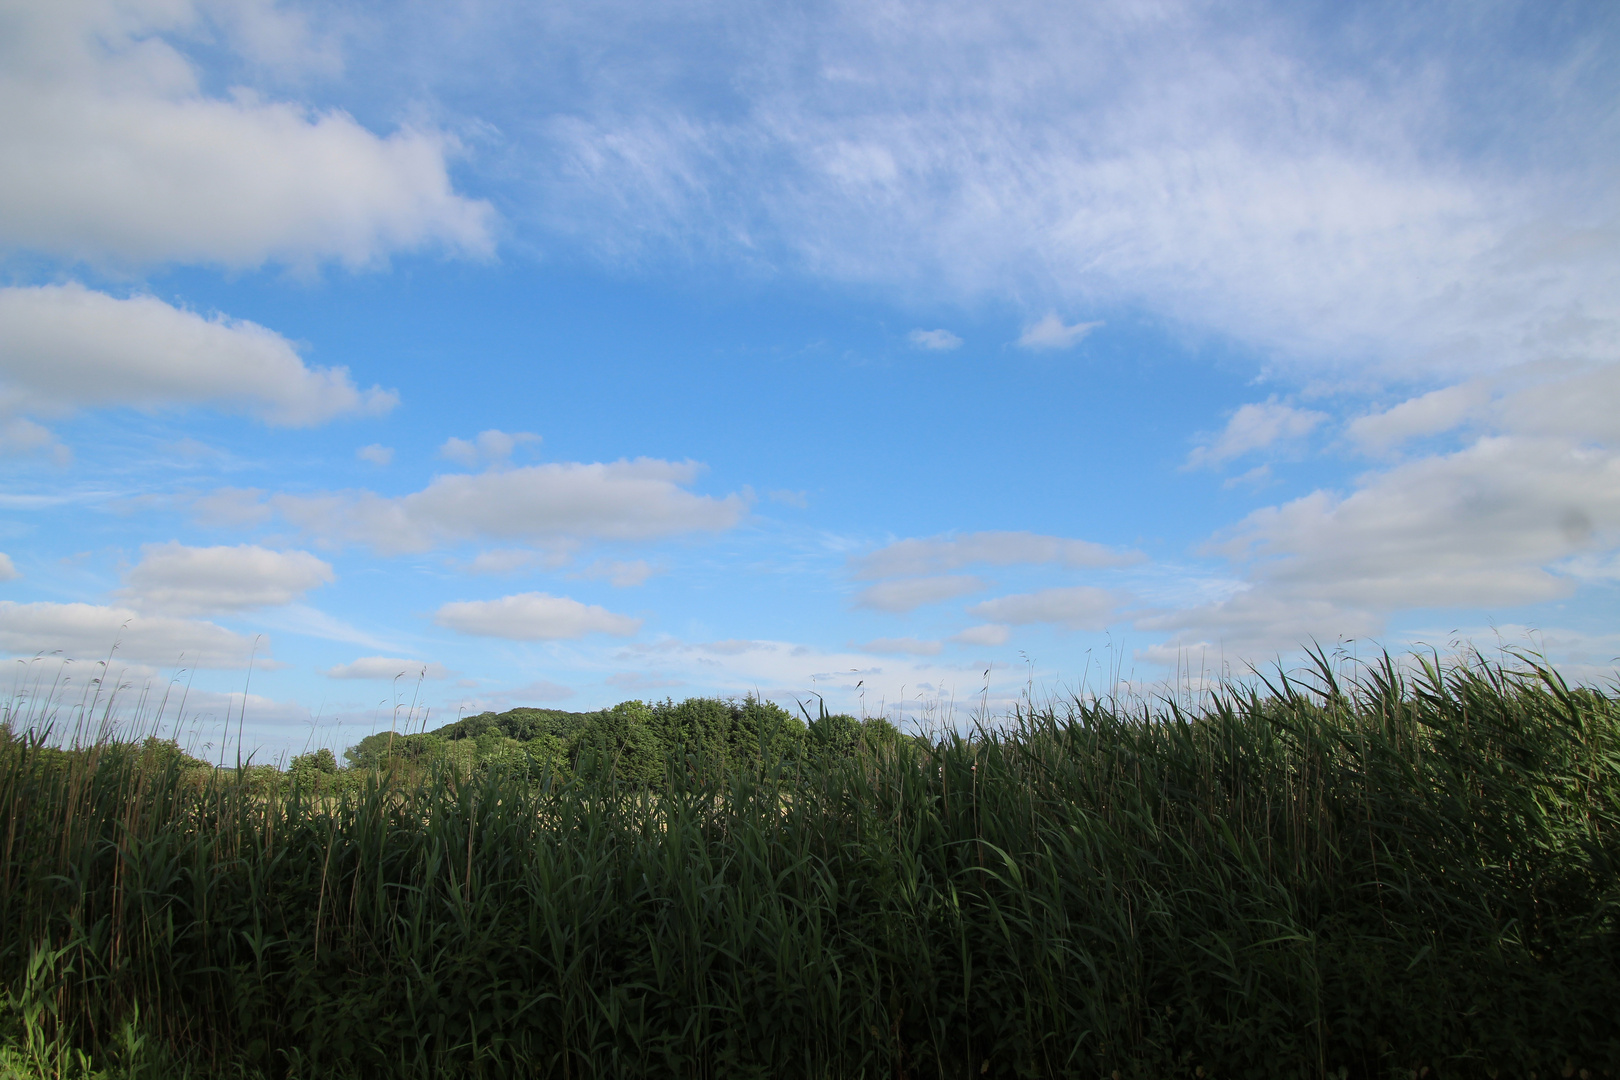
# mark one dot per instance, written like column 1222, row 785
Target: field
column 1400, row 870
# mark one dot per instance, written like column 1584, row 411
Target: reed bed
column 1408, row 873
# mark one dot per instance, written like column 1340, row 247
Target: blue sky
column 910, row 354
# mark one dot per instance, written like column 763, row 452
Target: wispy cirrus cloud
column 1306, row 187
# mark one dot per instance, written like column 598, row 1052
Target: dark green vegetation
column 1372, row 878
column 638, row 738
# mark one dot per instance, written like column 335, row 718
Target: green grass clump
column 1372, row 878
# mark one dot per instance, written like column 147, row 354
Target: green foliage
column 835, row 735
column 1365, row 879
column 634, row 741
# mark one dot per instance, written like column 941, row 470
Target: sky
column 366, row 365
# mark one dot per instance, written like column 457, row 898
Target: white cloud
column 1255, row 427
column 920, row 685
column 377, row 454
column 1312, row 189
column 110, row 150
column 1078, row 607
column 512, row 560
column 911, row 593
column 1051, row 333
column 622, row 575
column 1552, row 398
column 312, row 622
column 8, row 571
column 19, row 436
column 533, row 617
column 384, row 667
column 923, row 556
column 178, row 580
column 936, row 340
column 89, row 632
column 990, row 634
column 799, row 500
column 491, row 448
column 1576, row 402
column 231, row 508
column 540, row 691
column 1252, row 627
column 64, row 347
column 902, row 646
column 1429, row 414
column 1506, row 520
column 642, row 499
column 1480, row 527
column 636, row 681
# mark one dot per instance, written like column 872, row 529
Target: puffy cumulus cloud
column 644, row 499
column 943, row 553
column 1255, row 427
column 1052, row 333
column 987, row 635
column 178, row 580
column 112, row 151
column 1252, row 626
column 64, row 347
column 533, row 617
column 493, row 448
column 902, row 646
column 385, row 667
column 91, row 631
column 911, row 593
column 1505, row 520
column 1484, row 526
column 1079, row 607
column 1312, row 187
column 936, row 340
column 8, row 570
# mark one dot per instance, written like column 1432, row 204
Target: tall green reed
column 1412, row 869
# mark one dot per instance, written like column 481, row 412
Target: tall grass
column 1393, row 875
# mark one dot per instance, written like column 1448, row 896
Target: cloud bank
column 112, row 151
